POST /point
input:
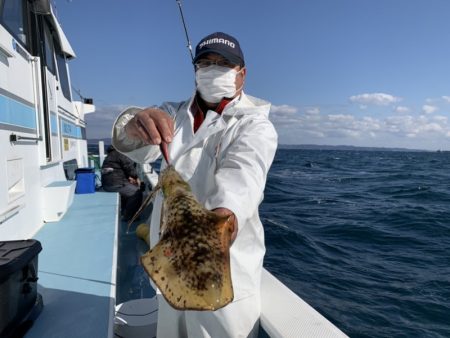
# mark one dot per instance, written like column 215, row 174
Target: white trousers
column 237, row 319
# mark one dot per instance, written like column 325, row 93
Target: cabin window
column 62, row 72
column 49, row 50
column 13, row 18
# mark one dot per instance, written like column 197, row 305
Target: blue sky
column 355, row 72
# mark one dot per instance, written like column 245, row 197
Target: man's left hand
column 231, row 219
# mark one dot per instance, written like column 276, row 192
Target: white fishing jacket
column 226, row 163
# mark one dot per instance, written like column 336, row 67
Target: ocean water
column 363, row 237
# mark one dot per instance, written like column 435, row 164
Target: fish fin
column 145, row 204
column 163, row 221
column 143, row 232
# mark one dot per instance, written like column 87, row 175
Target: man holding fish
column 222, row 144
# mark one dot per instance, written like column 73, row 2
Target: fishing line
column 189, row 45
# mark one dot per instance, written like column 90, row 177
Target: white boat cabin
column 42, row 129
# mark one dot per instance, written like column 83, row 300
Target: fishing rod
column 189, row 46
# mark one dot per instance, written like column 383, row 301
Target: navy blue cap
column 223, row 44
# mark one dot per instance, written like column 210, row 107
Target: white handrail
column 284, row 314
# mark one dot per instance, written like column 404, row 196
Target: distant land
column 107, row 141
column 345, row 147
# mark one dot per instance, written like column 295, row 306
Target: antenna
column 189, row 46
column 78, row 92
column 83, row 99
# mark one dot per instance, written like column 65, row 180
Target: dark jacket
column 116, row 169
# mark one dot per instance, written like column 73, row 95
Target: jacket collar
column 199, row 110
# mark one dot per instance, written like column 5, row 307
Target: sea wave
column 364, row 237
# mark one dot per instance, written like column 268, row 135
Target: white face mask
column 216, row 82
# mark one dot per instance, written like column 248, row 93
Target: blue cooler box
column 85, row 178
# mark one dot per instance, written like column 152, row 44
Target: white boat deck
column 77, row 270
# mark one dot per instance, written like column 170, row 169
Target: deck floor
column 132, row 281
column 77, row 269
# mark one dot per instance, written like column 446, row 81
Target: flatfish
column 191, row 262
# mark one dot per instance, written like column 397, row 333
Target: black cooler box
column 19, row 301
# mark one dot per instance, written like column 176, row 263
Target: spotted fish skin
column 191, row 262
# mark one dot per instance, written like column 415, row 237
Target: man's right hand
column 152, row 126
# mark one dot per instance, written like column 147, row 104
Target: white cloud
column 378, row 99
column 407, row 125
column 341, row 118
column 446, row 98
column 336, row 125
column 313, row 118
column 283, row 109
column 315, row 133
column 312, row 111
column 434, row 127
column 429, row 109
column 440, row 119
column 402, row 110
